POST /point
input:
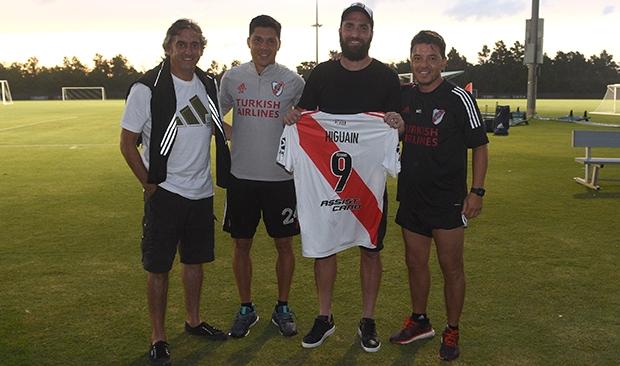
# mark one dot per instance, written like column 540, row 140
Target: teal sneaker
column 283, row 318
column 244, row 320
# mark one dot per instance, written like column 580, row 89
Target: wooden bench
column 593, row 165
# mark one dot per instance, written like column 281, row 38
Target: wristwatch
column 478, row 191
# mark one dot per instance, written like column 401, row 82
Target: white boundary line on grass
column 37, row 123
column 71, row 146
column 586, row 123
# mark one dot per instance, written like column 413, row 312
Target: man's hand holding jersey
column 292, row 116
column 395, row 120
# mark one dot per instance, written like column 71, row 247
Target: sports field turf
column 541, row 261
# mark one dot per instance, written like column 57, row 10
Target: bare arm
column 226, row 101
column 480, row 159
column 134, row 161
column 227, row 130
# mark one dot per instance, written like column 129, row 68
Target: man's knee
column 453, row 271
column 157, row 279
column 243, row 246
column 416, row 263
column 191, row 267
column 157, row 275
column 370, row 257
column 284, row 246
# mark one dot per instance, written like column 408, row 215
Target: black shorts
column 247, row 199
column 423, row 220
column 382, row 226
column 171, row 220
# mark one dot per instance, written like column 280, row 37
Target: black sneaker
column 367, row 331
column 283, row 318
column 159, row 355
column 449, row 349
column 205, row 330
column 246, row 317
column 323, row 327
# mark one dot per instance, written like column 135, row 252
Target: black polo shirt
column 439, row 128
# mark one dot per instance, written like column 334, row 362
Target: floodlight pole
column 532, row 68
column 316, row 25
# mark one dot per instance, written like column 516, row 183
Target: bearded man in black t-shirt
column 442, row 121
column 355, row 83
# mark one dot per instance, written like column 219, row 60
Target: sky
column 52, row 29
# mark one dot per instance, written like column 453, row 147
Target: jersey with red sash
column 339, row 163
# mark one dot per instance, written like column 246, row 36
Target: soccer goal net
column 6, row 92
column 83, row 92
column 611, row 101
column 406, row 78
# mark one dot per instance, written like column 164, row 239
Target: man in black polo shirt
column 442, row 121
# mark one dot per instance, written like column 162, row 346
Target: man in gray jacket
column 260, row 93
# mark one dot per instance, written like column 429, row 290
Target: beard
column 357, row 53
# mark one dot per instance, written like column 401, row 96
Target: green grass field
column 541, row 261
column 552, row 109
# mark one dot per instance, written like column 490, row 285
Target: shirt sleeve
column 225, row 97
column 394, row 97
column 137, row 109
column 309, row 98
column 288, row 140
column 475, row 130
column 299, row 88
column 392, row 153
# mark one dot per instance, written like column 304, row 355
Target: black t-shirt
column 333, row 89
column 439, row 128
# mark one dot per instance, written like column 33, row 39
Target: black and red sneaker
column 413, row 330
column 449, row 349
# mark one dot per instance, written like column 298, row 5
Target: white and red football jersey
column 339, row 163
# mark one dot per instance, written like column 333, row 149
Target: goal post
column 83, row 93
column 5, row 92
column 610, row 105
column 406, row 78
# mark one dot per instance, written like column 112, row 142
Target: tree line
column 499, row 72
column 29, row 80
